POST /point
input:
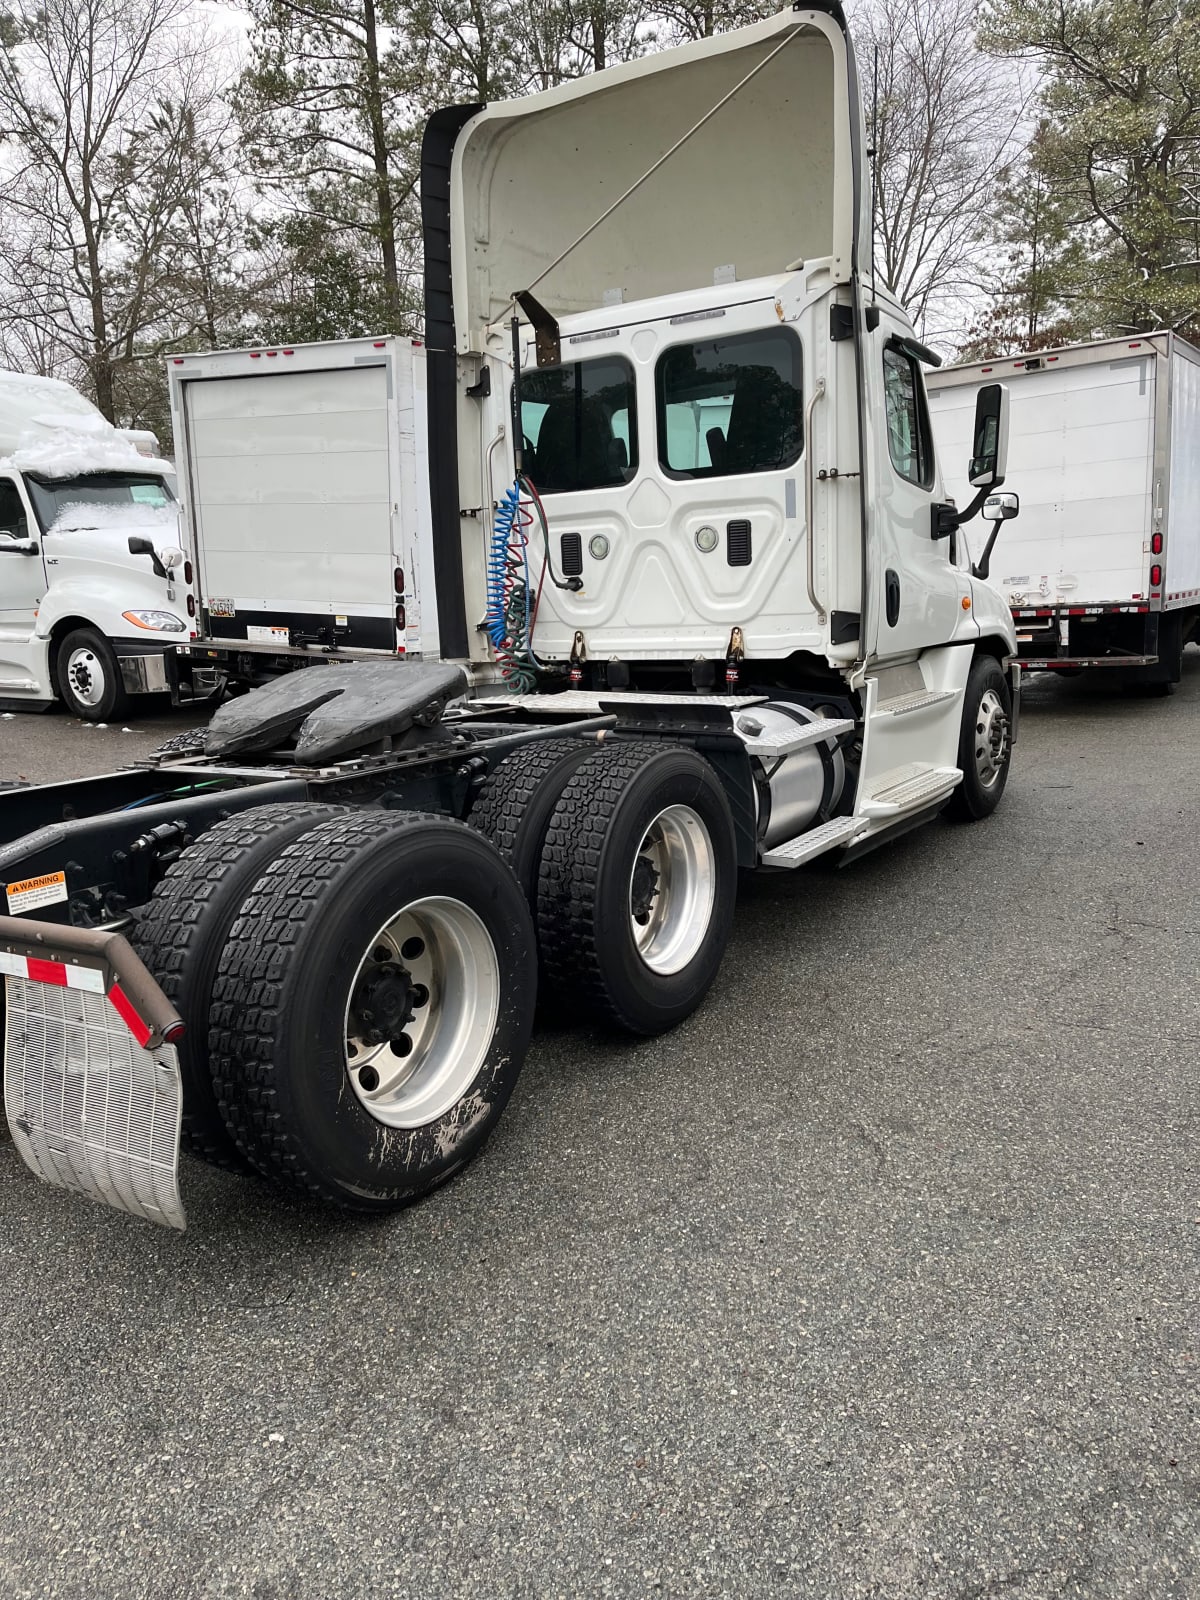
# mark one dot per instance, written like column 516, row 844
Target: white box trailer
column 304, row 480
column 1102, row 569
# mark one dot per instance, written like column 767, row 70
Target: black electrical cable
column 572, row 585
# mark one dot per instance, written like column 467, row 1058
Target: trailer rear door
column 1081, row 457
column 292, row 503
column 1182, row 534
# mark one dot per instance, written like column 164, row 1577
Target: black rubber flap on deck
column 334, row 710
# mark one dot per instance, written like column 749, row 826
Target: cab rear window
column 730, row 406
column 579, row 425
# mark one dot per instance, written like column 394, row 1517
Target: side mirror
column 997, row 509
column 173, row 557
column 989, row 452
column 144, row 547
column 1001, row 507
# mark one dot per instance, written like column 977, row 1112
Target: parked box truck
column 303, row 473
column 1103, row 568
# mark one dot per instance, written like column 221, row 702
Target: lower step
column 904, row 703
column 906, row 788
column 806, row 846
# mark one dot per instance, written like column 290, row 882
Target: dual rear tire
column 627, row 856
column 368, row 981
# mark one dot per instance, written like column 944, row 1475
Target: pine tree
column 1119, row 153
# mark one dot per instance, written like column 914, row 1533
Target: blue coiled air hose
column 496, row 621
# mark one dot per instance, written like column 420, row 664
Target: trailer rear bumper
column 1050, row 663
column 92, row 1087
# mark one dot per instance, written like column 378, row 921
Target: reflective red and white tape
column 62, row 975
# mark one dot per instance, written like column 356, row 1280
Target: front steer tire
column 637, row 886
column 288, row 1004
column 181, row 933
column 88, row 677
column 984, row 743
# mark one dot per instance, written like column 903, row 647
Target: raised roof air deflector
column 557, row 161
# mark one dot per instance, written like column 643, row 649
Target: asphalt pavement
column 878, row 1277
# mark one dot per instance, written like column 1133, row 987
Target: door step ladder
column 787, row 741
column 908, row 788
column 900, row 705
column 806, row 846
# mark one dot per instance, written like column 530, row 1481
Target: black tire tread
column 167, row 928
column 570, row 870
column 247, row 994
column 502, row 803
column 960, row 808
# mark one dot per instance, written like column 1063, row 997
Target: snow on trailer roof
column 48, row 427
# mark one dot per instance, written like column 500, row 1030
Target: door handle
column 18, row 547
column 891, row 589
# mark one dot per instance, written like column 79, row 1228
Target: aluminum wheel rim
column 85, row 674
column 991, row 739
column 446, row 957
column 672, row 889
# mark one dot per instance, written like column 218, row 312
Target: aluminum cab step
column 901, row 704
column 773, row 745
column 795, row 852
column 906, row 788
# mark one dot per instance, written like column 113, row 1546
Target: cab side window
column 910, row 443
column 13, row 524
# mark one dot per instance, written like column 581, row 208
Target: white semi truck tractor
column 703, row 606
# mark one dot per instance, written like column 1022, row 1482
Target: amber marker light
column 966, row 602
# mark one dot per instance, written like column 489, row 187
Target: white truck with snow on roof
column 93, row 582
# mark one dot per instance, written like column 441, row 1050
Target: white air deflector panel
column 90, row 1109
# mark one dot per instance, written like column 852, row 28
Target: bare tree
column 103, row 110
column 947, row 126
column 685, row 20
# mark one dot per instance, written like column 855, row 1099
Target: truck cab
column 93, row 583
column 723, row 421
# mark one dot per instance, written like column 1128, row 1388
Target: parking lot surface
column 878, row 1277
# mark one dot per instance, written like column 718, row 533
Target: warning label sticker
column 269, row 635
column 30, row 893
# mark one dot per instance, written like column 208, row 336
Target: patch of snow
column 81, row 514
column 63, row 453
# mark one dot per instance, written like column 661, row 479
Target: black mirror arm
column 947, row 518
column 982, row 567
column 143, row 547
